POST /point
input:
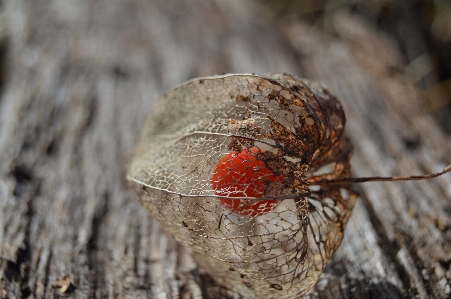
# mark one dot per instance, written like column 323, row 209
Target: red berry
column 243, row 175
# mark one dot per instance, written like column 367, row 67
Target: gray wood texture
column 79, row 78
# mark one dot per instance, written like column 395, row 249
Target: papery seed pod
column 223, row 163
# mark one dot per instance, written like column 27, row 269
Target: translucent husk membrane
column 297, row 127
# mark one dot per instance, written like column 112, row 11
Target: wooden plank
column 81, row 78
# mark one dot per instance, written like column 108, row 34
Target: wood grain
column 80, row 78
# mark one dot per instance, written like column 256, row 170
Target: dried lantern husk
column 297, row 127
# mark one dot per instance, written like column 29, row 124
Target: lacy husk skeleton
column 295, row 127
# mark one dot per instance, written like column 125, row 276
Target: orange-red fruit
column 243, row 175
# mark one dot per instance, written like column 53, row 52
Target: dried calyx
column 225, row 164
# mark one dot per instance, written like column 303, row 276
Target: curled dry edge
column 251, row 173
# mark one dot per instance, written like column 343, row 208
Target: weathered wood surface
column 79, row 81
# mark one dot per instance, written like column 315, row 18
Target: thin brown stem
column 322, row 181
